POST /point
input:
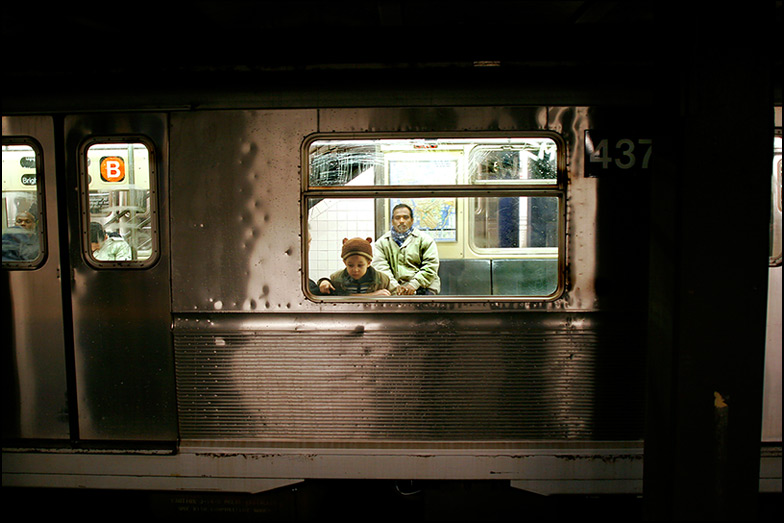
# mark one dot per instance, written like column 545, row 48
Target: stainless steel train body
column 204, row 361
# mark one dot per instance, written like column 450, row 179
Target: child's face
column 356, row 265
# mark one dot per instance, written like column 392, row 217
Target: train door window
column 23, row 219
column 776, row 204
column 118, row 202
column 493, row 208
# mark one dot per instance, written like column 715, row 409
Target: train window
column 489, row 210
column 776, row 203
column 119, row 227
column 437, row 161
column 23, row 220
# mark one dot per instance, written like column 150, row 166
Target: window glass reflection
column 411, row 162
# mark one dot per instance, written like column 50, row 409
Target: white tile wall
column 330, row 221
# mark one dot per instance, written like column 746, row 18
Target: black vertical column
column 708, row 263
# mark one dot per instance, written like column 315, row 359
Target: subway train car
column 206, row 346
column 205, row 356
column 165, row 328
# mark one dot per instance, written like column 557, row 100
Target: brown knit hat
column 357, row 246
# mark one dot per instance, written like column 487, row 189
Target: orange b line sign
column 112, row 169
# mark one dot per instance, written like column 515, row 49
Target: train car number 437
column 615, row 154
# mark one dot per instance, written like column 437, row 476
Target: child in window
column 358, row 277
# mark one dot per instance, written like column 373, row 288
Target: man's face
column 26, row 221
column 356, row 265
column 402, row 220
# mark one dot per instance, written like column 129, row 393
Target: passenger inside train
column 108, row 248
column 358, row 277
column 408, row 256
column 20, row 241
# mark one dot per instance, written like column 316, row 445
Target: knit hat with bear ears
column 357, row 246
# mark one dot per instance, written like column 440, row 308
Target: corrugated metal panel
column 477, row 385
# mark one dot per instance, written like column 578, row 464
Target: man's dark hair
column 97, row 234
column 398, row 206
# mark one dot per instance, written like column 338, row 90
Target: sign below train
column 616, row 154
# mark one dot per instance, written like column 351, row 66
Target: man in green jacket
column 407, row 255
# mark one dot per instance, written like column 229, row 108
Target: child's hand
column 382, row 292
column 326, row 287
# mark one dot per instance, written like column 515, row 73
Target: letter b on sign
column 112, row 169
